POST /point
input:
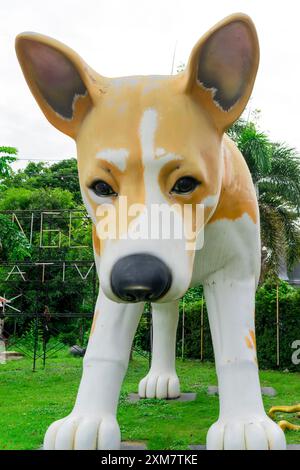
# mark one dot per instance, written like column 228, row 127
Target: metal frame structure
column 36, row 225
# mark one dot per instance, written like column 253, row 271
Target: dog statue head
column 147, row 142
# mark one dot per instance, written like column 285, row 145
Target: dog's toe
column 83, row 432
column 160, row 385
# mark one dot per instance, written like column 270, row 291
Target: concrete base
column 134, row 397
column 203, row 447
column 10, row 356
column 77, row 351
column 268, row 391
column 212, row 390
column 133, row 445
column 197, row 447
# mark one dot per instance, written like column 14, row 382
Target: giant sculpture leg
column 242, row 423
column 92, row 423
column 161, row 380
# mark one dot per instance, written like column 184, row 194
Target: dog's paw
column 260, row 433
column 81, row 432
column 159, row 385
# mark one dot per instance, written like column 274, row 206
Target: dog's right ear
column 62, row 84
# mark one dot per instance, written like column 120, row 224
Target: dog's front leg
column 161, row 380
column 243, row 423
column 92, row 423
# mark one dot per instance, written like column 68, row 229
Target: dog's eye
column 185, row 185
column 101, row 188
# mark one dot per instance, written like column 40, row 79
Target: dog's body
column 160, row 140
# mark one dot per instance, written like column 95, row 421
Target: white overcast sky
column 129, row 37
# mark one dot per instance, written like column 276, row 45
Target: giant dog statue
column 160, row 140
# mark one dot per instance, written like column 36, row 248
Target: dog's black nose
column 140, row 278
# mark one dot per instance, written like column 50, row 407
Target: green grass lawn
column 29, row 402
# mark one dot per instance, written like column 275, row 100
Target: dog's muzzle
column 140, row 278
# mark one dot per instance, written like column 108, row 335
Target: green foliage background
column 265, row 320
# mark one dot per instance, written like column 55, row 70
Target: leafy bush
column 13, row 243
column 289, row 326
column 68, row 338
column 192, row 332
column 32, row 335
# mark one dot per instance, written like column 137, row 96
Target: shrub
column 266, row 325
column 266, row 328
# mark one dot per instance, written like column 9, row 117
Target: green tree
column 64, row 175
column 36, row 199
column 39, row 175
column 14, row 246
column 8, row 155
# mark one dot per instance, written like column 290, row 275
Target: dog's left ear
column 222, row 67
column 63, row 85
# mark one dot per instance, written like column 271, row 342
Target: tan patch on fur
column 190, row 135
column 252, row 334
column 248, row 342
column 82, row 105
column 96, row 241
column 237, row 194
column 94, row 321
column 106, row 128
column 251, row 340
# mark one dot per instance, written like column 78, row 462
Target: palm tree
column 275, row 169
